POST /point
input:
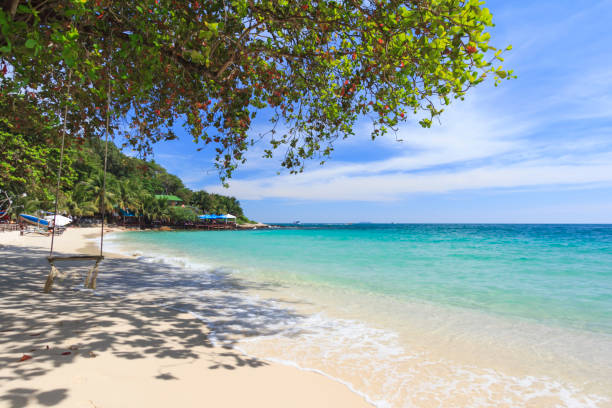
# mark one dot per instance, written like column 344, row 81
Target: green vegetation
column 30, row 157
column 72, row 66
column 317, row 67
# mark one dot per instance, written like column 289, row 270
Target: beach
column 125, row 349
column 413, row 315
column 320, row 315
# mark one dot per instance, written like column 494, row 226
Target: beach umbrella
column 60, row 221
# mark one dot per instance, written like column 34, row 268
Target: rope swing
column 92, row 275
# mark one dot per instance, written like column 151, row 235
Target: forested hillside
column 29, row 159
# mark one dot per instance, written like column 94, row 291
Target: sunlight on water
column 413, row 315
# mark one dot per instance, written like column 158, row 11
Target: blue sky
column 536, row 149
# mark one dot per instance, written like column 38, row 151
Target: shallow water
column 418, row 315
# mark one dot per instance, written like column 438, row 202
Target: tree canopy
column 213, row 65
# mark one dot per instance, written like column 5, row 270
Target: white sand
column 125, row 351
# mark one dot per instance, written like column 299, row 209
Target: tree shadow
column 22, row 397
column 137, row 312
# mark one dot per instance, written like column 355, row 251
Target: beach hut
column 171, row 199
column 126, row 212
column 228, row 217
column 211, row 220
column 208, row 217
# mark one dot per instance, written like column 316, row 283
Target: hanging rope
column 108, row 102
column 59, row 170
column 90, row 281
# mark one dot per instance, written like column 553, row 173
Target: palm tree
column 103, row 199
column 156, row 209
column 127, row 195
column 164, row 210
column 80, row 209
column 150, row 208
column 139, row 202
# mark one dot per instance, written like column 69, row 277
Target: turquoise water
column 404, row 315
column 553, row 274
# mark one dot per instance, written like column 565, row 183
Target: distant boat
column 296, row 222
column 31, row 219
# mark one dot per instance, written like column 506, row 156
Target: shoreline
column 437, row 348
column 266, row 322
column 143, row 353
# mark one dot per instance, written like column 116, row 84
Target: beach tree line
column 28, row 170
column 315, row 68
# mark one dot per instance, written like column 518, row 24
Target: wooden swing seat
column 92, row 275
column 75, row 258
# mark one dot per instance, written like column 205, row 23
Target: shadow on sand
column 136, row 313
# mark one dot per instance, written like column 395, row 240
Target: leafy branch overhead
column 213, row 65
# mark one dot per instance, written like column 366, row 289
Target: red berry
column 470, row 49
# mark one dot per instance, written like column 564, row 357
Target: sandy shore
column 89, row 350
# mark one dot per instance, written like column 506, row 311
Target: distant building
column 172, row 199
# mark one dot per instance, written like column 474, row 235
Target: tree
column 28, row 157
column 103, row 196
column 127, row 196
column 185, row 194
column 182, row 215
column 202, row 200
column 317, row 67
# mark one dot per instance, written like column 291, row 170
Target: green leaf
column 22, row 8
column 30, row 43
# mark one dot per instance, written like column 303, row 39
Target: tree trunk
column 11, row 6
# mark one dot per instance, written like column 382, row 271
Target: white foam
column 358, row 351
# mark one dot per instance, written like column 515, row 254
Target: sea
column 407, row 315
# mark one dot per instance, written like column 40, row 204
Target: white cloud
column 385, row 187
column 475, row 147
column 531, row 134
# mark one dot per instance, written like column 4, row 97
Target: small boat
column 31, row 219
column 60, row 220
